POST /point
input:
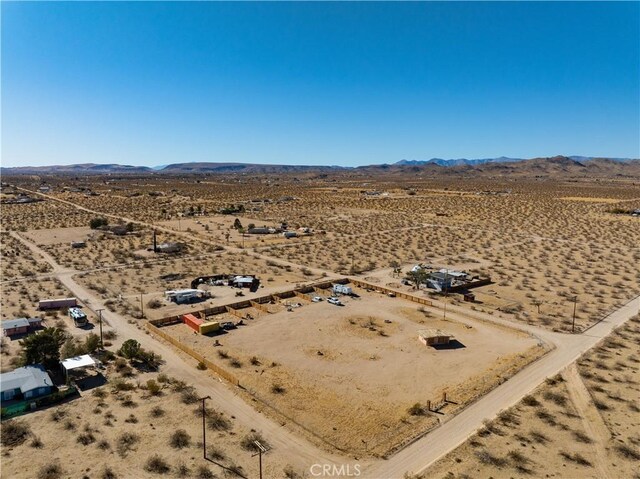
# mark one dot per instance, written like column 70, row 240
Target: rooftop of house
column 26, row 379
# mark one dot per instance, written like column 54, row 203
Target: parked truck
column 57, row 303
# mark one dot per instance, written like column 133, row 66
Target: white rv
column 342, row 289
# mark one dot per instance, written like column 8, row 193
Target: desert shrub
column 98, row 222
column 69, row 425
column 180, row 439
column 119, row 385
column 99, row 393
column 416, row 410
column 290, row 473
column 128, row 402
column 530, row 401
column 153, row 387
column 157, row 411
column 182, row 470
column 601, row 405
column 248, row 441
column 14, row 432
column 546, row 417
column 86, row 438
column 50, row 471
column 223, row 354
column 277, row 389
column 201, row 366
column 189, row 396
column 627, row 452
column 581, row 437
column 104, row 445
column 108, row 473
column 217, row 421
column 110, row 334
column 254, row 361
column 235, row 363
column 215, row 453
column 577, row 458
column 204, row 472
column 157, row 465
column 517, row 458
column 126, row 441
column 58, row 414
column 234, row 470
column 36, row 443
column 178, row 386
column 163, row 378
column 486, row 457
column 558, row 399
column 154, row 303
column 508, row 418
column 131, row 419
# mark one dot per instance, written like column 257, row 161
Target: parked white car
column 316, row 299
column 334, row 300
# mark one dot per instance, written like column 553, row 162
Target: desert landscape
column 352, row 382
column 581, row 423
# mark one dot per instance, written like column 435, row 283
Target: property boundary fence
column 383, row 290
column 197, row 356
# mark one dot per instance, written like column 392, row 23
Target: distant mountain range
column 204, row 167
column 502, row 159
column 484, row 166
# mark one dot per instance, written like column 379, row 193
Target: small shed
column 14, row 327
column 433, row 337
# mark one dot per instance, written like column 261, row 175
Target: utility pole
column 573, row 323
column 99, row 311
column 204, row 429
column 261, row 450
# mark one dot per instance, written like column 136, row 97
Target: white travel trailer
column 342, row 289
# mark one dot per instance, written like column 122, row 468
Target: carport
column 77, row 362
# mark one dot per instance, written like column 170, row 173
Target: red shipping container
column 191, row 321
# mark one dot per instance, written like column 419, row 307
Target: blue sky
column 317, row 83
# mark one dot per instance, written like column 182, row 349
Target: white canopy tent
column 83, row 361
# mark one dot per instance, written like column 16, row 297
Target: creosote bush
column 14, row 432
column 180, row 439
column 157, row 464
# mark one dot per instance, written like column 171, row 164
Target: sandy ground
column 576, row 425
column 537, row 245
column 104, row 421
column 351, row 365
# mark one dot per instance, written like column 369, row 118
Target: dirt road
column 593, row 423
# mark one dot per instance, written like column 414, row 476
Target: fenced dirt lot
column 348, row 375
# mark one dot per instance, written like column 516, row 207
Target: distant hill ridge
column 501, row 159
column 500, row 165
